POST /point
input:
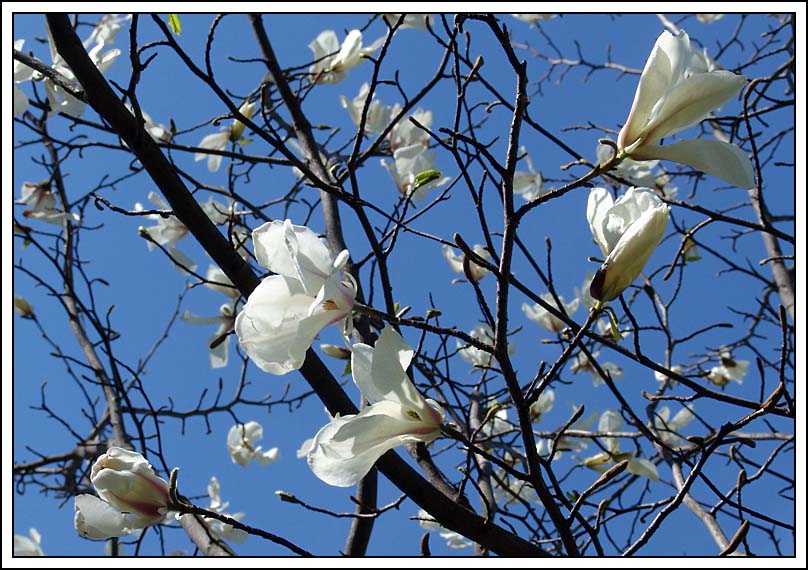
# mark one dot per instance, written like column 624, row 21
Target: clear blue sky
column 144, row 288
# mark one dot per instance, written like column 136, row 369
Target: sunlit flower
column 219, row 342
column 21, row 73
column 107, row 28
column 42, row 204
column 660, row 377
column 332, row 60
column 406, row 133
column 408, row 162
column 346, row 448
column 286, row 311
column 542, row 405
column 532, row 18
column 708, row 18
column 217, row 280
column 241, row 443
column 581, row 363
column 378, row 115
column 583, row 295
column 729, row 369
column 627, row 231
column 413, row 21
column 131, row 495
column 528, row 183
column 157, row 131
column 226, row 531
column 476, row 356
column 545, row 318
column 675, row 91
column 669, row 428
column 24, row 546
column 219, row 141
column 610, row 422
column 455, row 260
column 453, row 539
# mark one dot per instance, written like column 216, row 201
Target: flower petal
column 293, row 251
column 597, row 209
column 346, row 449
column 99, row 520
column 720, row 159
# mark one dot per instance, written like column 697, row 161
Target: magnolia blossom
column 545, row 318
column 21, row 73
column 219, row 342
column 528, row 184
column 583, row 295
column 107, row 28
column 567, row 443
column 241, row 440
column 157, row 131
column 414, row 21
column 218, row 141
column 668, row 428
column 532, row 18
column 286, row 311
column 217, row 280
column 131, row 495
column 611, row 421
column 332, row 60
column 24, row 546
column 378, row 115
column 42, row 204
column 582, row 363
column 542, row 405
column 627, row 231
column 455, row 260
column 476, row 356
column 453, row 539
column 730, row 369
column 660, row 377
column 675, row 92
column 345, row 449
column 638, row 172
column 408, row 162
column 708, row 18
column 59, row 99
column 406, row 132
column 226, row 531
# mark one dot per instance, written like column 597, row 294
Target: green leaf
column 174, row 24
column 425, row 177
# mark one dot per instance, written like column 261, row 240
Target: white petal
column 691, row 101
column 346, row 449
column 610, row 421
column 293, row 251
column 268, row 457
column 380, row 372
column 643, row 467
column 97, row 519
column 597, row 208
column 219, row 354
column 275, row 328
column 720, row 159
column 20, row 101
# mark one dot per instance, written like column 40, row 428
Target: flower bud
column 23, row 307
column 125, row 479
column 237, row 128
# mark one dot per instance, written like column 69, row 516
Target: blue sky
column 144, row 288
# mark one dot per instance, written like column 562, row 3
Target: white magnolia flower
column 668, row 428
column 660, row 377
column 453, row 539
column 611, row 421
column 495, row 426
column 345, row 449
column 157, row 131
column 532, row 18
column 24, row 546
column 583, row 295
column 131, row 495
column 378, row 116
column 729, row 369
column 414, row 21
column 406, row 133
column 21, row 73
column 241, row 440
column 627, row 231
column 708, row 18
column 476, row 356
column 545, row 318
column 408, row 162
column 217, row 280
column 566, row 442
column 59, row 99
column 218, row 141
column 581, row 363
column 529, row 183
column 456, row 261
column 674, row 93
column 542, row 405
column 286, row 311
column 226, row 531
column 42, row 204
column 332, row 60
column 107, row 28
column 219, row 342
column 636, row 172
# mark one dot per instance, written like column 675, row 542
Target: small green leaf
column 242, row 141
column 425, row 177
column 432, row 313
column 174, row 24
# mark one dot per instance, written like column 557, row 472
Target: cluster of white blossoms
column 42, row 204
column 612, row 422
column 59, row 99
column 219, row 141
